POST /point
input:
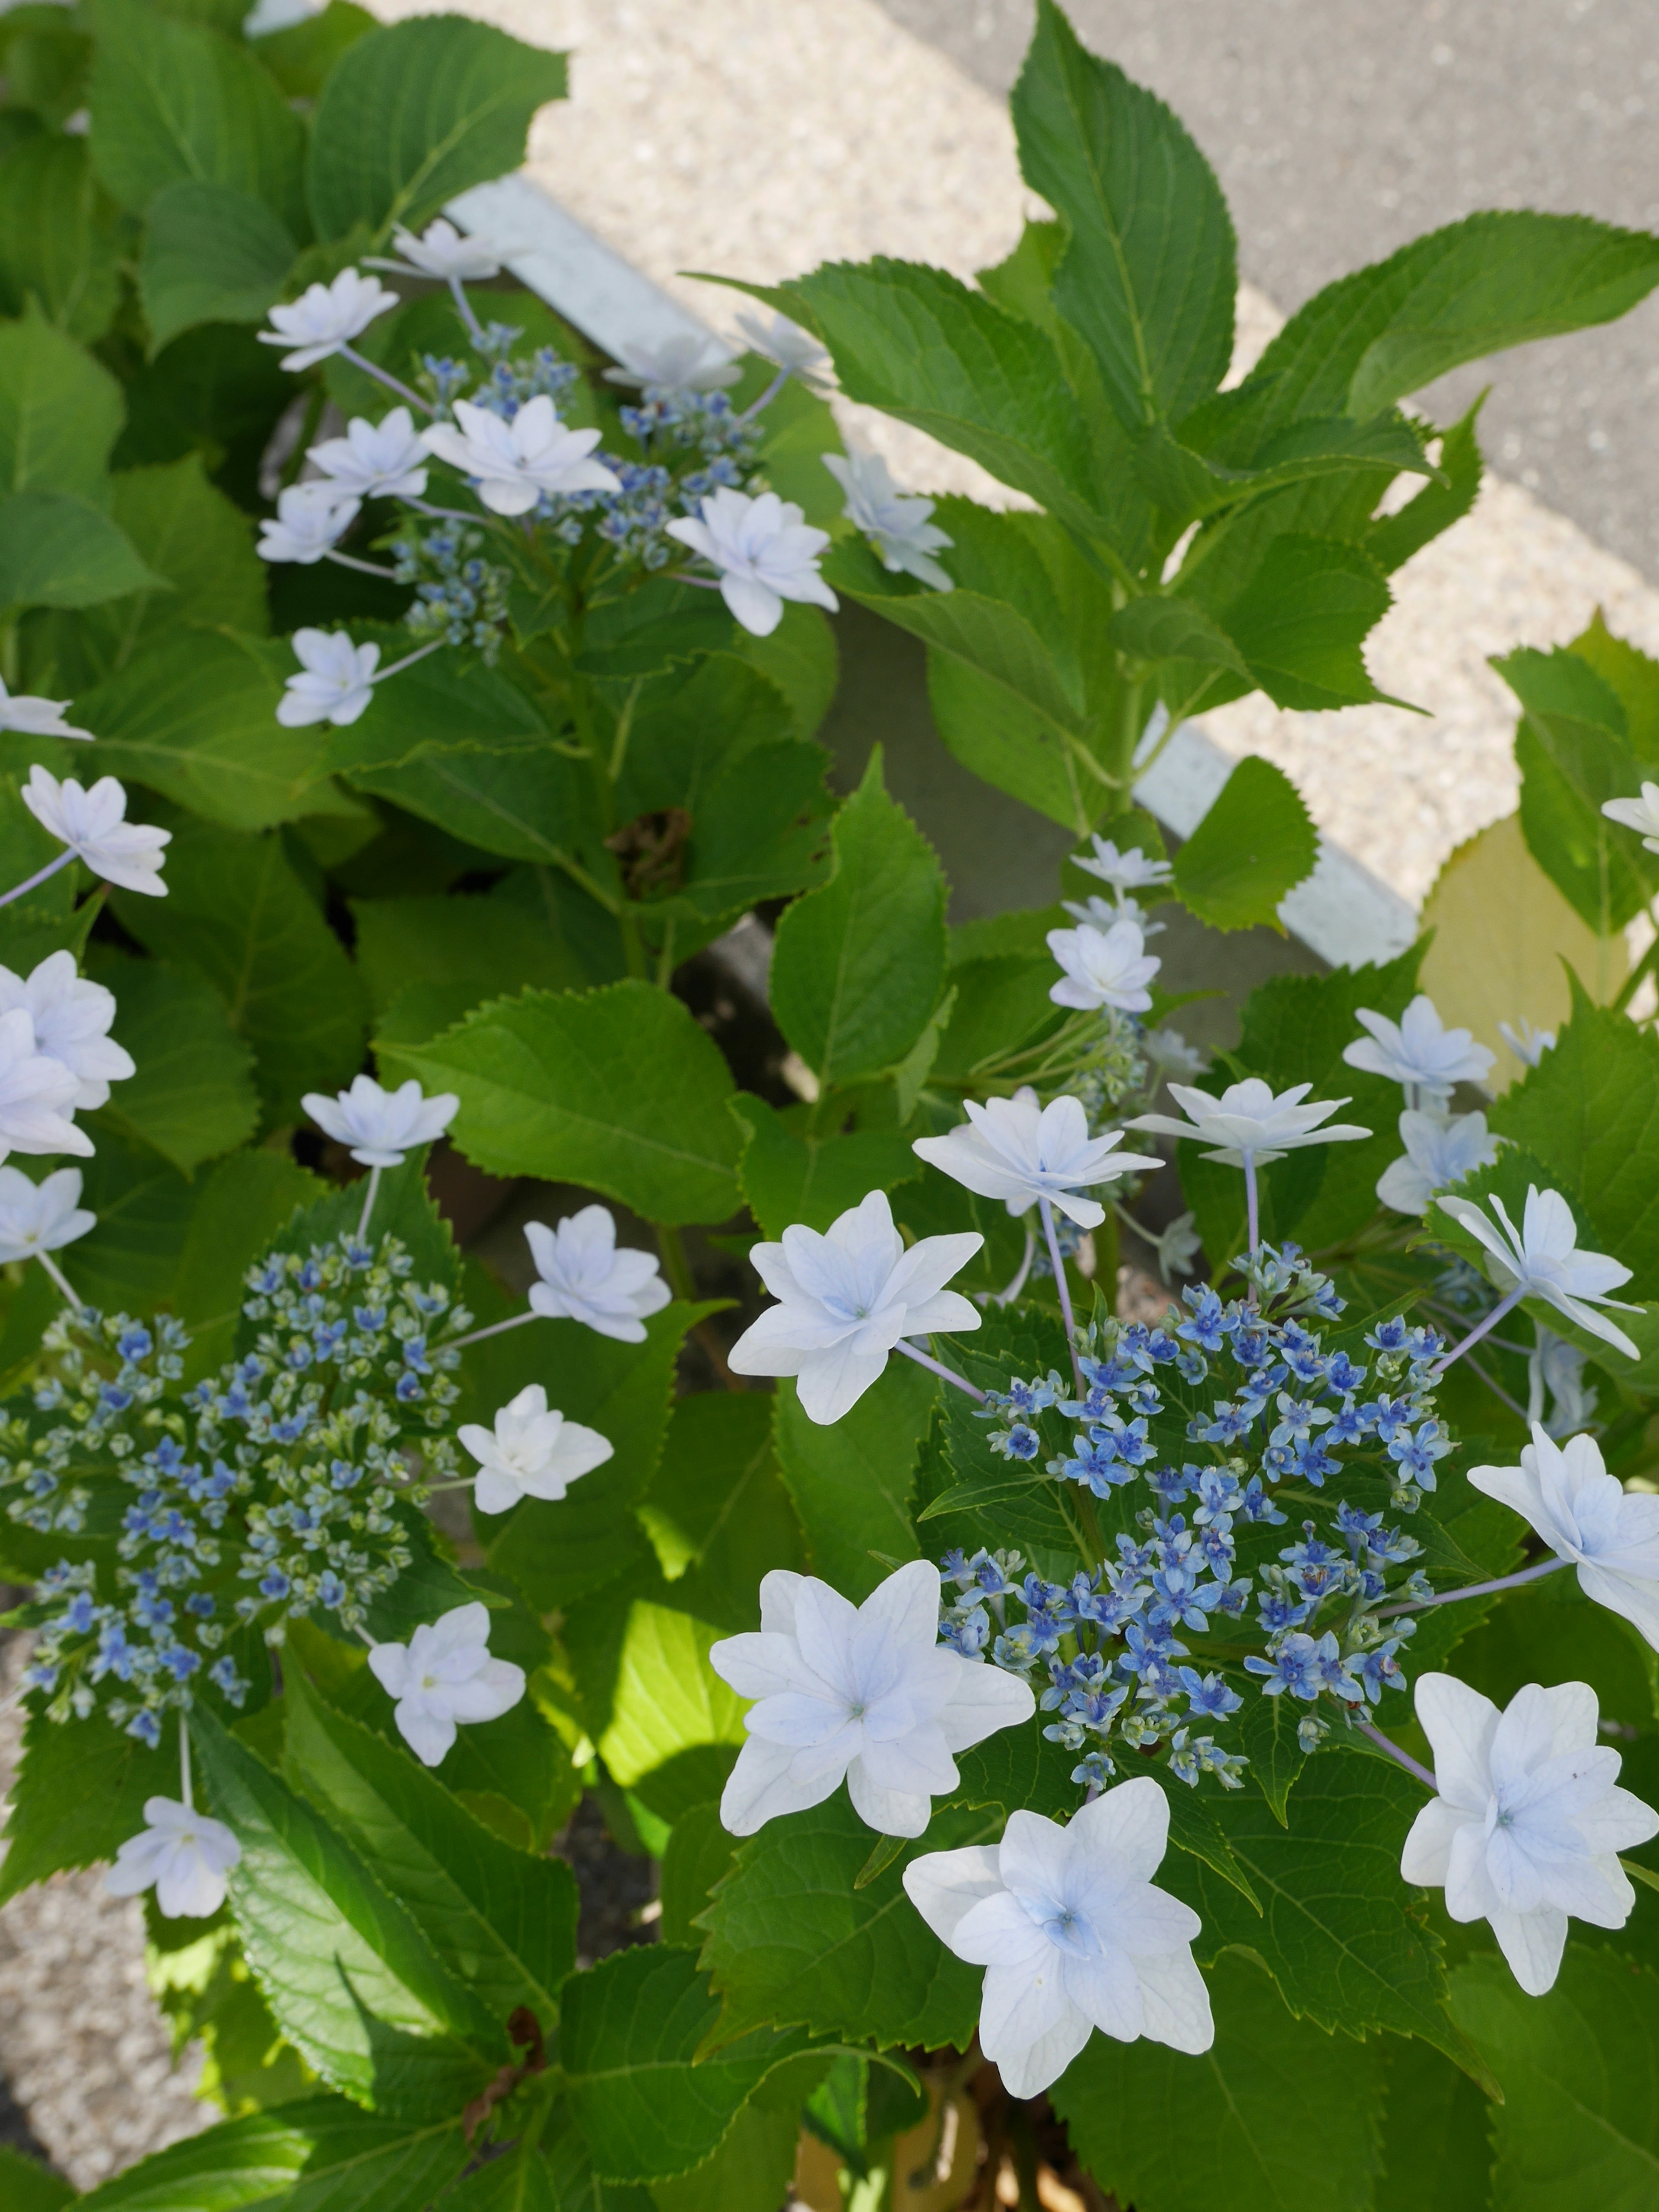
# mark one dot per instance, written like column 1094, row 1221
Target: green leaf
column 1255, row 843
column 674, row 1726
column 791, row 1939
column 237, row 913
column 58, row 240
column 800, row 658
column 618, row 1090
column 501, row 1920
column 301, row 54
column 1436, row 2156
column 1150, row 274
column 628, row 2043
column 1175, row 630
column 212, row 254
column 28, row 2186
column 175, row 101
column 852, row 1482
column 1277, row 2116
column 442, row 706
column 1267, row 1736
column 1392, row 539
column 144, row 1206
column 192, row 1096
column 241, row 1205
column 1188, row 477
column 413, row 115
column 699, row 1853
column 195, row 718
column 1578, row 2129
column 751, row 2172
column 482, row 946
column 858, row 965
column 790, row 1177
column 1573, row 753
column 59, row 550
column 1337, row 1931
column 1302, row 618
column 321, row 2154
column 79, row 1794
column 716, row 1511
column 60, row 411
column 352, row 1981
column 525, row 803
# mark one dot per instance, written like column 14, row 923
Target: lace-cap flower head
column 94, row 825
column 514, row 464
column 379, row 1126
column 1103, row 967
column 327, row 317
column 845, row 1298
column 532, row 1451
column 1438, row 1151
column 585, row 1275
column 183, row 1854
column 1072, row 1934
column 765, row 552
column 898, row 527
column 1419, row 1050
column 71, row 1018
column 866, row 1693
column 335, row 682
column 1250, row 1117
column 1529, row 1822
column 1587, row 1516
column 444, row 1676
column 30, row 717
column 1541, row 1260
column 40, row 1217
column 1019, row 1151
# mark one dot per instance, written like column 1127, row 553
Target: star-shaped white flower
column 309, row 521
column 184, row 1854
column 1542, row 1258
column 1105, row 914
column 1019, row 1151
column 1072, row 1933
column 381, row 1126
column 1131, row 870
column 1251, row 1117
column 40, row 1217
column 92, row 825
column 764, row 551
column 845, row 1298
column 30, row 717
column 443, row 252
column 444, row 1675
column 1587, row 1516
column 688, row 360
column 532, row 1451
column 1529, row 1822
column 375, row 460
column 71, row 1018
column 1558, row 1366
column 1438, row 1151
column 514, row 464
column 796, row 351
column 327, row 317
column 1528, row 1044
column 36, row 1094
column 865, row 1693
column 898, row 526
column 336, row 680
column 585, row 1275
column 1641, row 814
column 1169, row 1051
column 1103, row 967
column 1419, row 1051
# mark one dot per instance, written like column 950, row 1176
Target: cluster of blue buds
column 281, row 1485
column 460, row 597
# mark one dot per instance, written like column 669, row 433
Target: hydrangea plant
column 1188, row 1737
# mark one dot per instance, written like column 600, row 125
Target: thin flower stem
column 39, row 876
column 458, row 293
column 186, row 1799
column 368, row 1203
column 1476, row 1589
column 1047, row 1213
column 1504, row 1304
column 385, row 376
column 767, row 397
column 1252, row 1200
column 477, row 1335
column 363, row 568
column 702, row 583
column 1007, row 1297
column 936, row 1367
column 443, row 513
column 408, row 661
column 60, row 1279
column 1423, row 1774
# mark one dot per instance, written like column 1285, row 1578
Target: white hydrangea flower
column 40, row 1217
column 36, row 1094
column 309, row 521
column 1104, row 914
column 325, row 317
column 444, row 1676
column 513, row 464
column 1018, row 1151
column 381, row 1126
column 1170, row 1051
column 532, row 1451
column 1131, row 870
column 1439, row 1151
column 1250, row 1117
column 1072, row 1933
column 375, row 460
column 1557, row 1367
column 1641, row 814
column 896, row 525
column 1528, row 1044
column 585, row 1275
column 1103, row 967
column 1419, row 1051
column 1541, row 1260
column 795, row 351
column 336, row 680
column 71, row 1018
column 687, row 360
column 183, row 1853
column 1586, row 1516
column 866, row 1692
column 92, row 825
column 765, row 551
column 845, row 1299
column 29, row 717
column 443, row 252
column 1528, row 1821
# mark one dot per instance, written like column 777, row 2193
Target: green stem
column 1128, row 733
column 1632, row 983
column 633, row 950
column 675, row 1265
column 624, row 729
column 666, row 957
